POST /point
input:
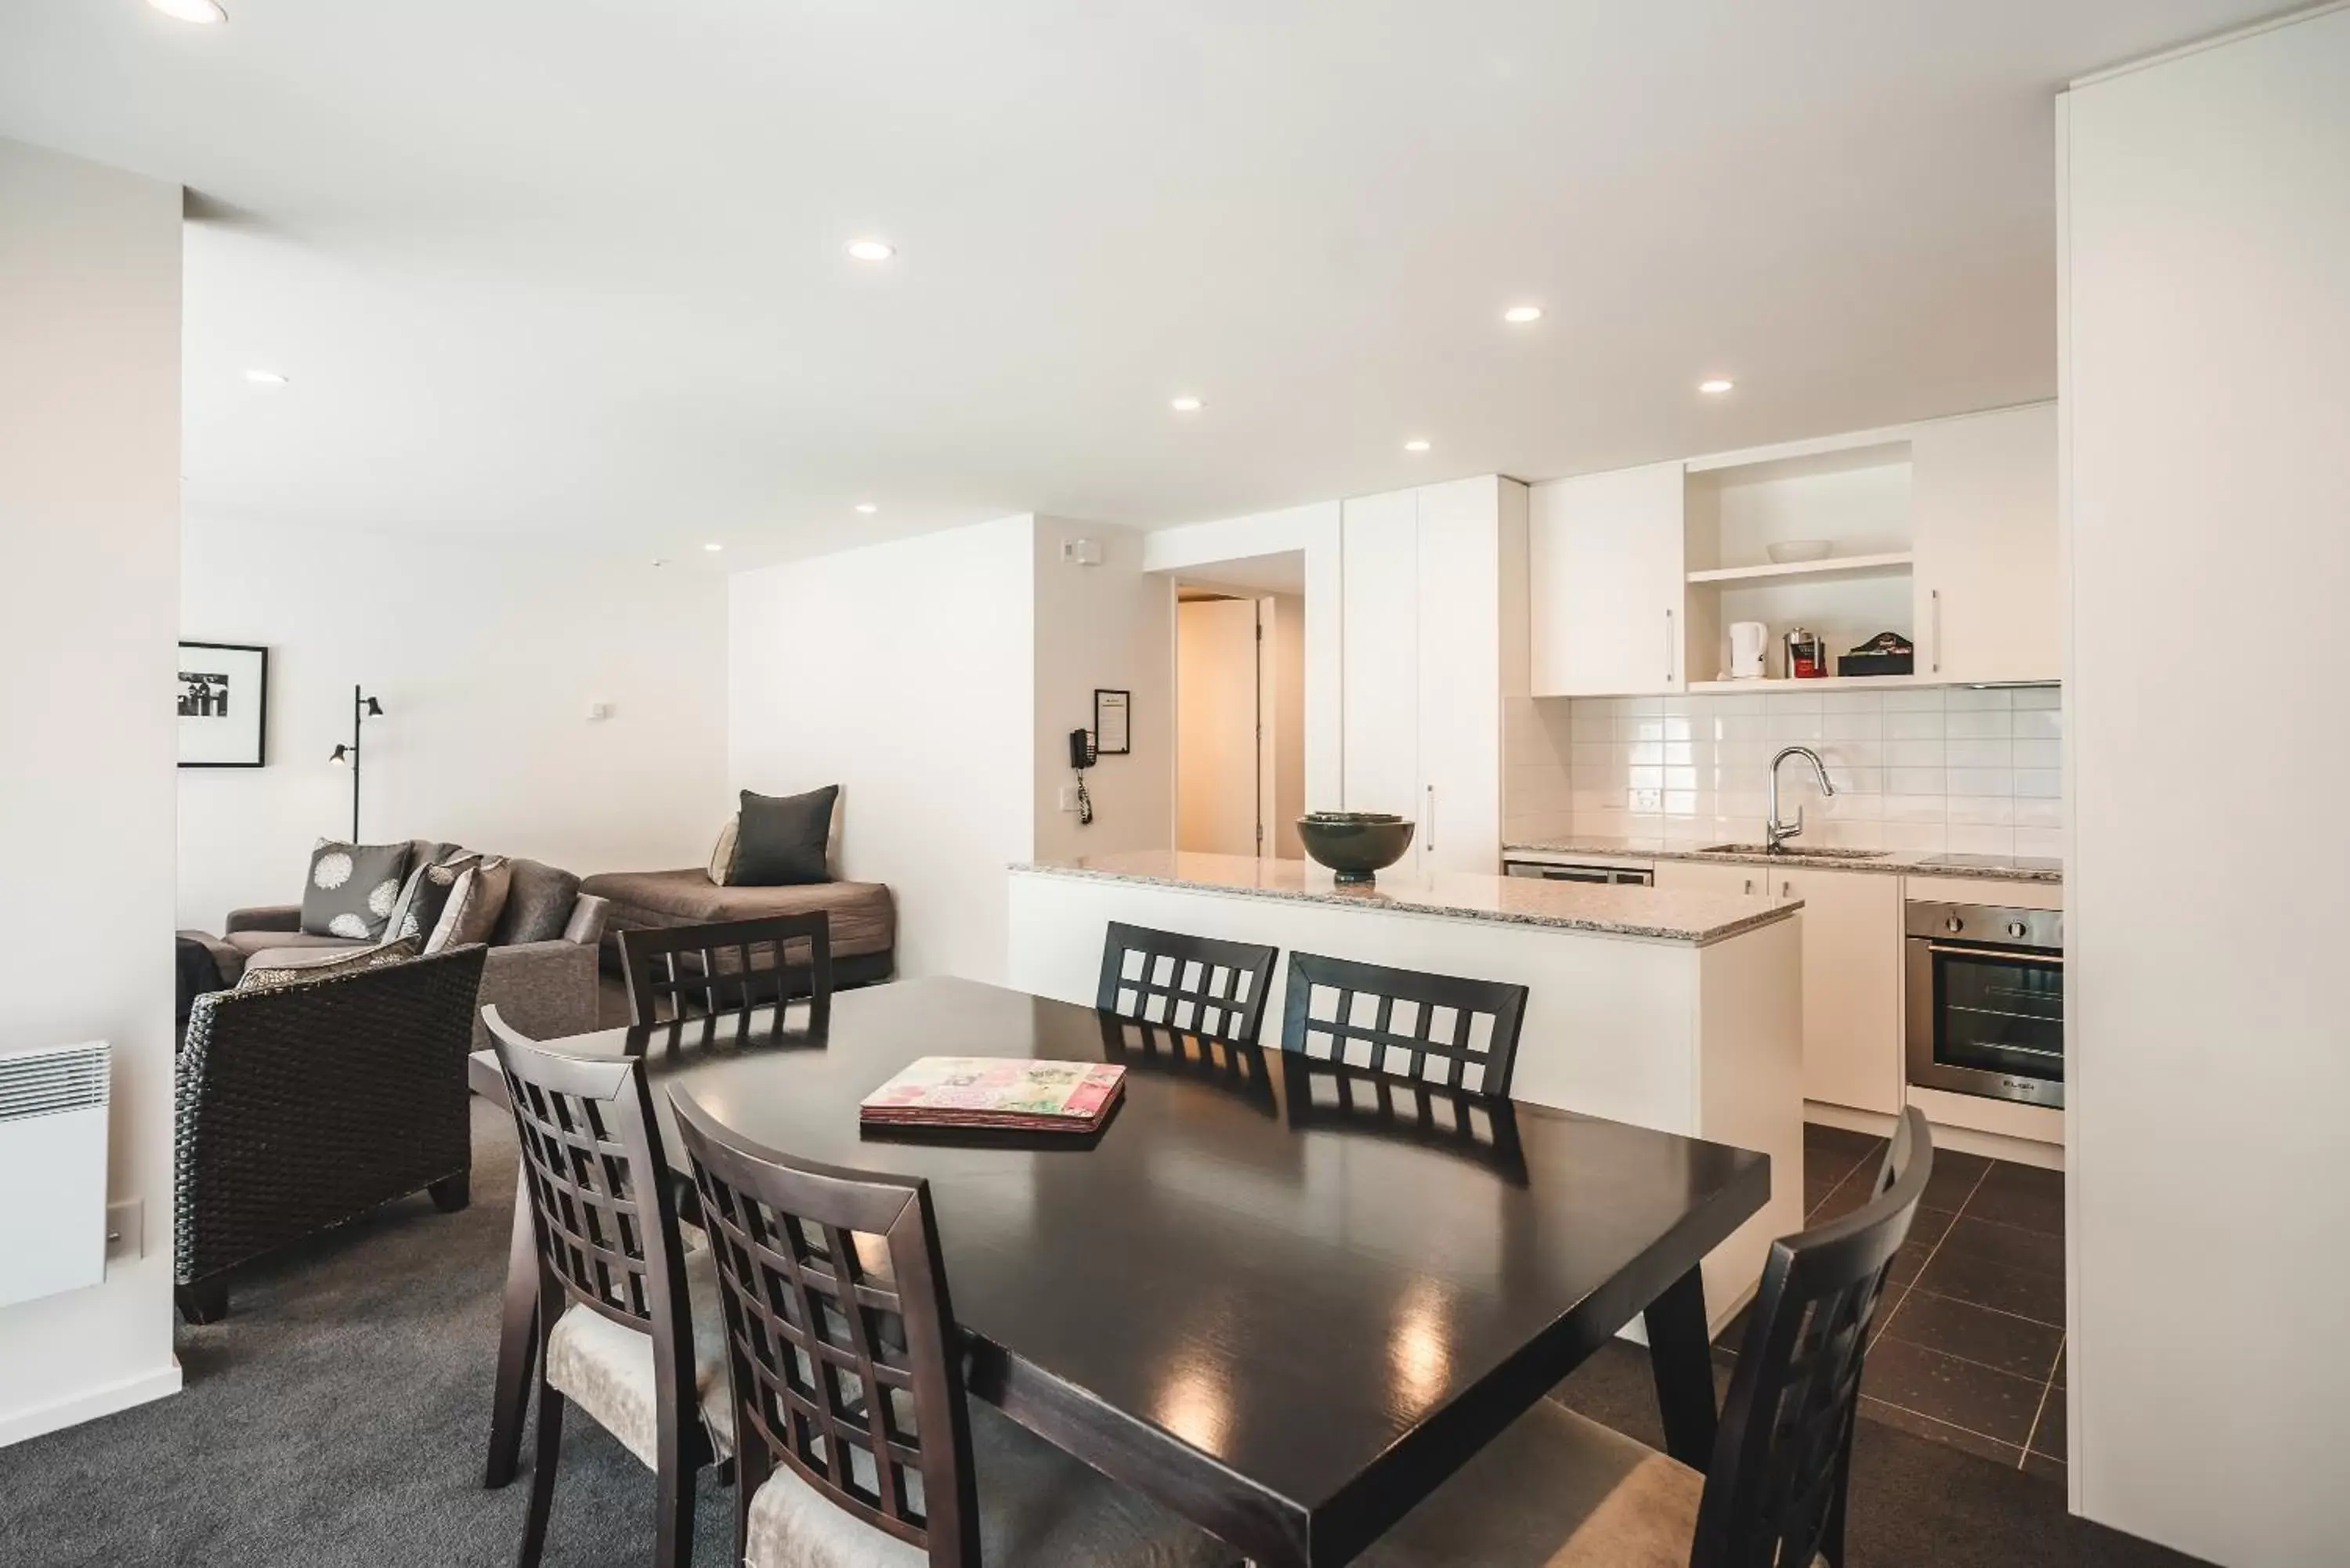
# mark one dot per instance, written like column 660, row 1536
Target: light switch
column 598, row 711
column 1068, row 797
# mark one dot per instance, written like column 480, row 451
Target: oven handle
column 2016, row 955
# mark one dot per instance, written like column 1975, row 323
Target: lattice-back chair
column 680, row 972
column 1566, row 1492
column 1199, row 985
column 1240, row 1070
column 1478, row 1127
column 1434, row 1029
column 846, row 1368
column 618, row 1294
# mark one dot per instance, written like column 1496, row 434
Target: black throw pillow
column 782, row 839
column 352, row 889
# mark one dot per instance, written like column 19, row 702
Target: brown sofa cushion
column 538, row 904
column 864, row 917
column 251, row 942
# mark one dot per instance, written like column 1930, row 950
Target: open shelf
column 1831, row 566
column 1817, row 683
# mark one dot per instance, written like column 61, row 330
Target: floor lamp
column 363, row 708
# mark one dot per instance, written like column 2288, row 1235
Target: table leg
column 517, row 1344
column 1682, row 1359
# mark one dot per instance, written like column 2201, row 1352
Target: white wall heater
column 52, row 1169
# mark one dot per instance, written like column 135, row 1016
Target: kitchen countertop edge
column 1895, row 862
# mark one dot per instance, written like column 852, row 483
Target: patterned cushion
column 352, row 889
column 1036, row 1505
column 475, row 899
column 606, row 1369
column 1555, row 1490
column 424, row 895
column 286, row 969
column 722, row 854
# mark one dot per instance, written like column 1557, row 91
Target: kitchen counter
column 1699, row 919
column 2000, row 868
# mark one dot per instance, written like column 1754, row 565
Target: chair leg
column 206, row 1301
column 452, row 1193
column 674, row 1548
column 517, row 1347
column 542, row 1475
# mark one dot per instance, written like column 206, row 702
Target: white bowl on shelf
column 1787, row 552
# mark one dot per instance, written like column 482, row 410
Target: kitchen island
column 1680, row 1012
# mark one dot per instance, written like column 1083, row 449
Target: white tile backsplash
column 1918, row 769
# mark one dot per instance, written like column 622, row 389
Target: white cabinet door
column 1983, row 504
column 1459, row 677
column 1714, row 876
column 1852, row 984
column 1382, row 661
column 1607, row 584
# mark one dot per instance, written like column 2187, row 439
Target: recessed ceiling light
column 1415, row 444
column 1715, row 388
column 867, row 508
column 1186, row 405
column 265, row 378
column 203, row 12
column 1522, row 314
column 871, row 250
column 713, row 546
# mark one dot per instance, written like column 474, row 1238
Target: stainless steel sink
column 1784, row 853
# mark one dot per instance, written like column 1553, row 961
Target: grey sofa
column 540, row 971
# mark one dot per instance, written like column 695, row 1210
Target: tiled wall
column 1916, row 769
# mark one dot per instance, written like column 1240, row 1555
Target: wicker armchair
column 304, row 1106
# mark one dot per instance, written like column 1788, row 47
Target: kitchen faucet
column 1775, row 832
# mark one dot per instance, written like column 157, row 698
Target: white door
column 1983, row 501
column 1459, row 677
column 1217, row 787
column 1852, row 984
column 1380, row 572
column 1608, row 583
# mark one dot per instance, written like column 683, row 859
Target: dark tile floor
column 1969, row 1346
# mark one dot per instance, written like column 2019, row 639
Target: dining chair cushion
column 607, row 1369
column 1555, row 1490
column 1038, row 1507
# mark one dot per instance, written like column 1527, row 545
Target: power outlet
column 125, row 1231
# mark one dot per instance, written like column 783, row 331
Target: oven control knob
column 2017, row 929
column 1954, row 925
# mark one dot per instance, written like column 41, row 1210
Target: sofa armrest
column 264, row 918
column 542, row 989
column 586, row 925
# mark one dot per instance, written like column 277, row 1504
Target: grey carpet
column 337, row 1420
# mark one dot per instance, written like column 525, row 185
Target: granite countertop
column 1698, row 919
column 1989, row 868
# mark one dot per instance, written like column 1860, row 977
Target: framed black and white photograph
column 224, row 705
column 1113, row 725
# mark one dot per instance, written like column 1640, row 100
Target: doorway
column 1240, row 711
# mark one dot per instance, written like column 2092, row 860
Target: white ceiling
column 575, row 269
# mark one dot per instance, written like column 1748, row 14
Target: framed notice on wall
column 1113, row 731
column 223, row 699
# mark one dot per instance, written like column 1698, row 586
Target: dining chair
column 1430, row 1028
column 626, row 1316
column 1199, row 985
column 1562, row 1491
column 860, row 1447
column 716, row 967
column 1481, row 1128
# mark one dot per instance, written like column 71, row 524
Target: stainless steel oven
column 1986, row 1000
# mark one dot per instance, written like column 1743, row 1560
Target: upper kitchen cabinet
column 1984, row 509
column 1605, row 584
column 1426, row 620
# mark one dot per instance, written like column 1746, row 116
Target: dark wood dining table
column 1284, row 1300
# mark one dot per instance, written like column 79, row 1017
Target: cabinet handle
column 1934, row 601
column 1750, row 886
column 1668, row 648
column 1428, row 841
column 1786, row 890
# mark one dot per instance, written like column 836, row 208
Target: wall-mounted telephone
column 1082, row 756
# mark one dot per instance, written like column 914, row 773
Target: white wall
column 1315, row 531
column 1102, row 626
column 90, row 475
column 2208, row 332
column 904, row 673
column 485, row 657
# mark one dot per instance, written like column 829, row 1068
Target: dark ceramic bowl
column 1356, row 845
